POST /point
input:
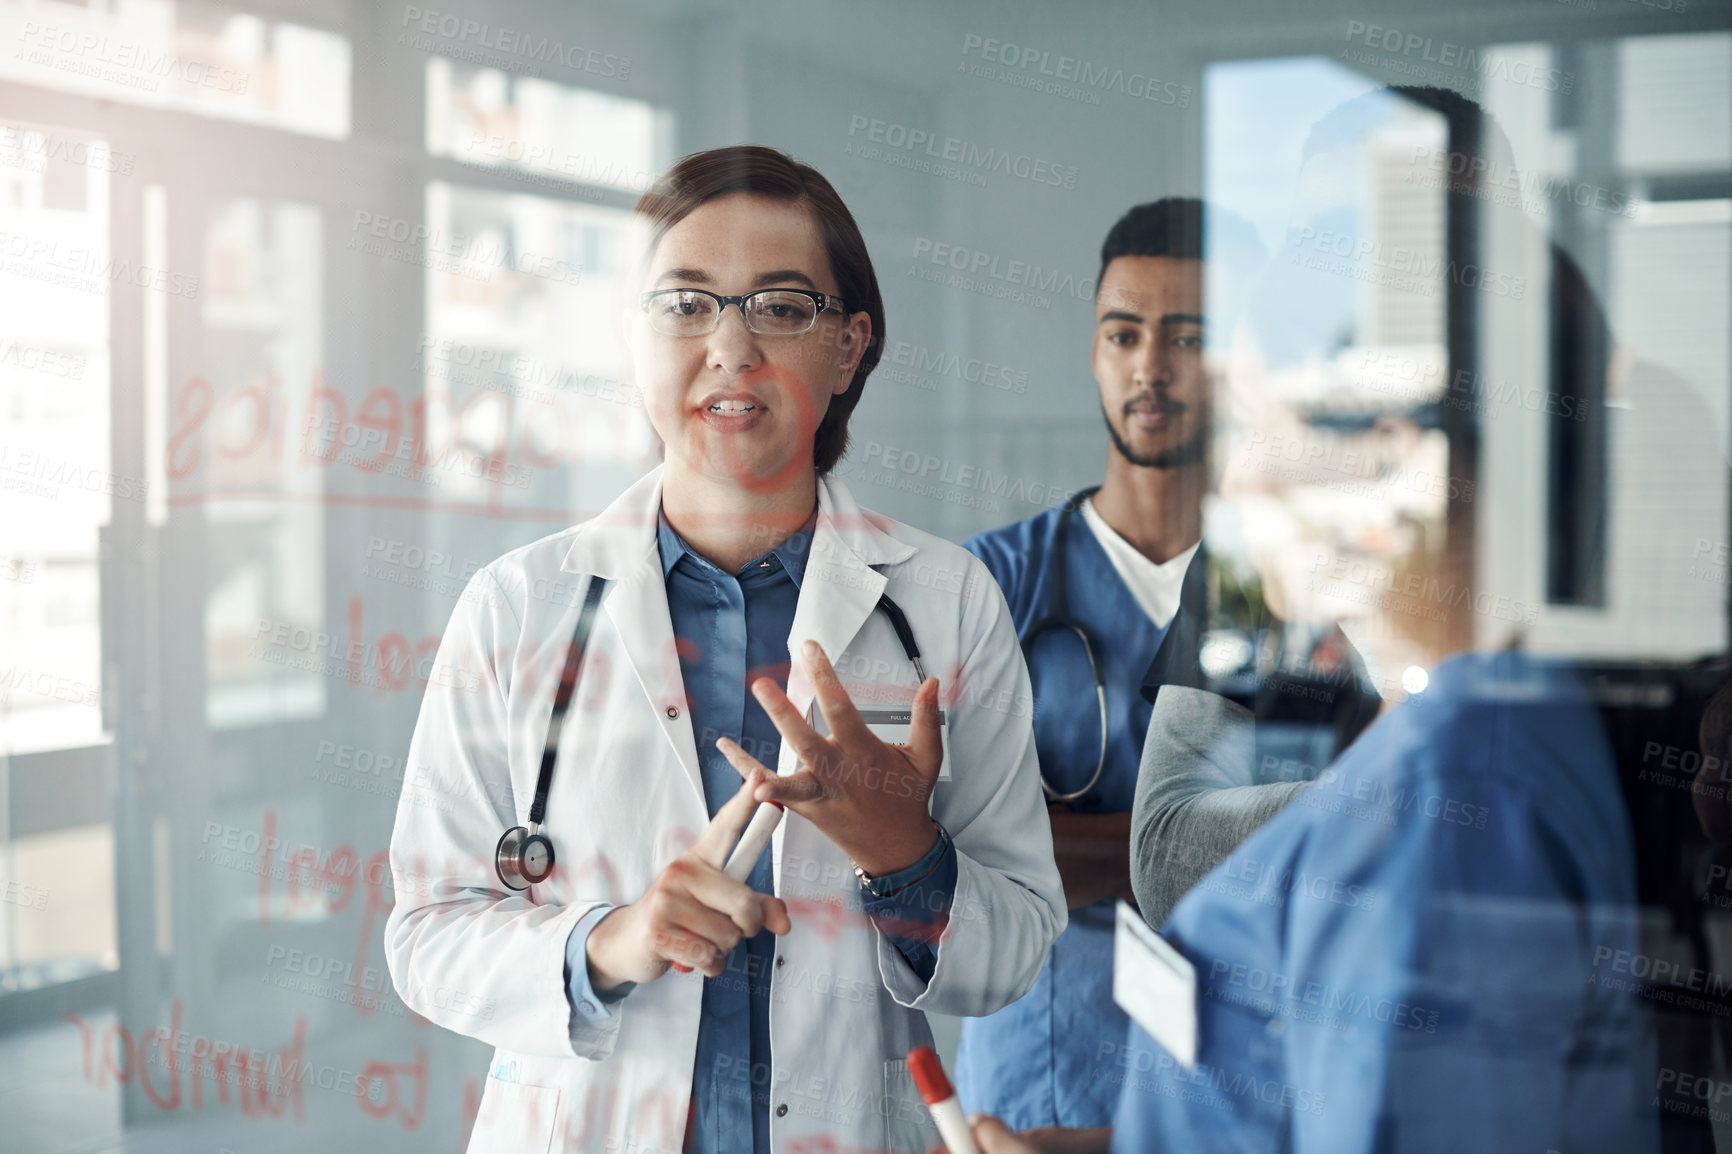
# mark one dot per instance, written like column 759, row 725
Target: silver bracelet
column 867, row 879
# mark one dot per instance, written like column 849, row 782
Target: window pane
column 487, row 117
column 521, row 363
column 249, row 445
column 55, row 484
column 57, row 924
column 1675, row 101
column 188, row 57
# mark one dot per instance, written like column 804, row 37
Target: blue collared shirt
column 730, row 630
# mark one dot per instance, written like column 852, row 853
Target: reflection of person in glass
column 913, row 870
column 1435, row 945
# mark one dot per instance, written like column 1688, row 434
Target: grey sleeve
column 1196, row 797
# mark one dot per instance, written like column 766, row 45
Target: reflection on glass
column 526, row 403
column 487, row 117
column 190, row 57
column 1674, row 102
column 56, row 491
column 1338, row 496
column 243, row 444
column 1600, row 447
column 55, row 484
column 57, row 924
column 333, row 478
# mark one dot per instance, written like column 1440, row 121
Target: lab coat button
column 1276, row 1027
column 673, row 713
column 587, row 1007
column 782, row 1110
column 780, row 960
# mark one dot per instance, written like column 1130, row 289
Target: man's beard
column 1189, row 453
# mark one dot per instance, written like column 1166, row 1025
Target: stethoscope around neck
column 524, row 856
column 1058, row 616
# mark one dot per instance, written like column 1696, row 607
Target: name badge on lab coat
column 1155, row 985
column 891, row 726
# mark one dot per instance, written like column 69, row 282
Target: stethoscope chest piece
column 522, row 858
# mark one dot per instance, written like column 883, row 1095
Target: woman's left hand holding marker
column 692, row 915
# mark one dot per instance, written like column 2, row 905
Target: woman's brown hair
column 704, row 176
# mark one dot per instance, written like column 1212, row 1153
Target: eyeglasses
column 770, row 312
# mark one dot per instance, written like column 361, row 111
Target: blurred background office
column 308, row 310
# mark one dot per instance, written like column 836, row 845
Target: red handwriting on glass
column 263, row 1087
column 122, row 1060
column 339, row 871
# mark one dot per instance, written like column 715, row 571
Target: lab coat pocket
column 907, row 1126
column 515, row 1119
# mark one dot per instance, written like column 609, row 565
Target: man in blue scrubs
column 1114, row 563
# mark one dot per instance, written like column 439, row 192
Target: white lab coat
column 627, row 798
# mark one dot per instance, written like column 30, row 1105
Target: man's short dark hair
column 1185, row 228
column 1171, row 226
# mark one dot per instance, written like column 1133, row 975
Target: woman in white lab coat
column 592, row 983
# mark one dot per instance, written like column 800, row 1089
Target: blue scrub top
column 1428, row 950
column 1038, row 1061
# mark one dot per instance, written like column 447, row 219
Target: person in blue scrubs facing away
column 1464, row 934
column 1424, row 954
column 1110, row 565
column 1420, row 953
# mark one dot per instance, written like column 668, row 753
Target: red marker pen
column 941, row 1100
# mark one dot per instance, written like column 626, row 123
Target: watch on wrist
column 872, row 885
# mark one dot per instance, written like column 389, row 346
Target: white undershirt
column 1156, row 587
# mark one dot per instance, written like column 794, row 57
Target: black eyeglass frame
column 822, row 300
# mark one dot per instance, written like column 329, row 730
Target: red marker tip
column 929, row 1077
